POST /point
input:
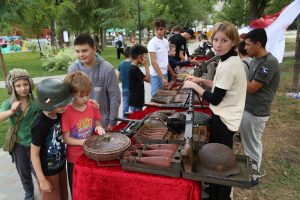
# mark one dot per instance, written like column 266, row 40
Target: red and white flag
column 275, row 26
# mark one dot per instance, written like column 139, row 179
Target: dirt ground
column 281, row 155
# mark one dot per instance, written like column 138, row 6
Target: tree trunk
column 41, row 53
column 257, row 8
column 148, row 39
column 297, row 58
column 52, row 35
column 2, row 64
column 103, row 37
column 60, row 40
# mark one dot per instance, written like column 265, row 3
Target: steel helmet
column 52, row 93
column 216, row 159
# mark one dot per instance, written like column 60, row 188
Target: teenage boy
column 158, row 48
column 137, row 78
column 263, row 82
column 105, row 88
column 123, row 75
column 180, row 41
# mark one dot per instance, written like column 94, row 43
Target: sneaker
column 255, row 182
column 29, row 196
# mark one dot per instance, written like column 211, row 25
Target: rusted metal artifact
column 216, row 160
column 109, row 146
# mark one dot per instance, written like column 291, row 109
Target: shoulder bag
column 11, row 136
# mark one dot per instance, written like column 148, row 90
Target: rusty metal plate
column 106, row 147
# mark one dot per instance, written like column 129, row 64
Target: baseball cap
column 191, row 32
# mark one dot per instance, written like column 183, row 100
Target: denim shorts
column 156, row 84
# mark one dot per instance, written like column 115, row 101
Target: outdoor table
column 91, row 181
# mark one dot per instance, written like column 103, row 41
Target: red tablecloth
column 91, row 182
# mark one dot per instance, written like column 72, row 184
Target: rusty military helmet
column 216, row 159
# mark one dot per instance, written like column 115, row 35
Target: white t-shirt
column 161, row 48
column 230, row 76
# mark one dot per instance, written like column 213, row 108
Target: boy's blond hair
column 78, row 82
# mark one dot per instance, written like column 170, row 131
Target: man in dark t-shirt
column 180, row 41
column 264, row 78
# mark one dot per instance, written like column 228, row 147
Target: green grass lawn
column 3, row 125
column 281, row 139
column 290, row 44
column 31, row 62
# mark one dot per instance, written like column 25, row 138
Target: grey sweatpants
column 21, row 155
column 251, row 130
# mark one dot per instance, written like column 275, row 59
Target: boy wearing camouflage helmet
column 20, row 111
column 47, row 147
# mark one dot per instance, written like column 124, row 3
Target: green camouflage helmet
column 52, row 93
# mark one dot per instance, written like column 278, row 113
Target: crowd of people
column 240, row 93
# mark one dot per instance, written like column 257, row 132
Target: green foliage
column 235, row 11
column 238, row 11
column 290, row 44
column 32, row 46
column 26, row 60
column 275, row 6
column 89, row 16
column 60, row 60
column 178, row 12
column 32, row 63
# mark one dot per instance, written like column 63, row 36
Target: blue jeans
column 156, row 84
column 135, row 109
column 125, row 94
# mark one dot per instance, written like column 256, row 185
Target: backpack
column 119, row 44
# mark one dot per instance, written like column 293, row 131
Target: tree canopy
column 90, row 16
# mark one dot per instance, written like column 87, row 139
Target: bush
column 31, row 45
column 57, row 59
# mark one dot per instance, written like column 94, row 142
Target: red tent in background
column 275, row 26
column 46, row 33
column 17, row 31
column 265, row 20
